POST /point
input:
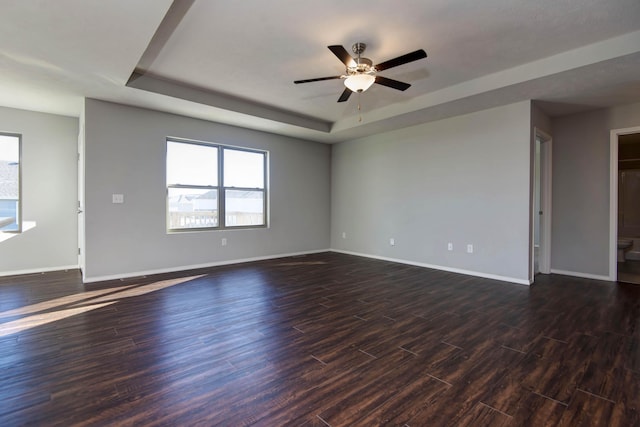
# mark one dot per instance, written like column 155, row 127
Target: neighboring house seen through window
column 10, row 204
column 213, row 186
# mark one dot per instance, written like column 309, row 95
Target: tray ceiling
column 235, row 62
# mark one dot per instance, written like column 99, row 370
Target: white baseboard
column 440, row 267
column 37, row 270
column 90, row 279
column 261, row 258
column 581, row 275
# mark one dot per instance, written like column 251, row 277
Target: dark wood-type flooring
column 326, row 339
column 629, row 271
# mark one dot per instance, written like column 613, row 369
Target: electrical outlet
column 392, row 241
column 469, row 248
column 117, row 198
column 344, row 234
column 449, row 246
column 224, row 241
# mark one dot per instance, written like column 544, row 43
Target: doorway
column 625, row 206
column 541, row 204
column 81, row 228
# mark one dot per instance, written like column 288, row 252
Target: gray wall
column 49, row 193
column 424, row 186
column 462, row 180
column 125, row 154
column 580, row 230
column 539, row 119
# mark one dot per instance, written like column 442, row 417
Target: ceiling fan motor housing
column 361, row 65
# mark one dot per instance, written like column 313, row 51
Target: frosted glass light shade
column 359, row 82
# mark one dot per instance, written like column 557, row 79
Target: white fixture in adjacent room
column 624, row 245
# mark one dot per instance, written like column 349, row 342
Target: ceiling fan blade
column 404, row 59
column 395, row 84
column 342, row 55
column 319, row 79
column 345, row 95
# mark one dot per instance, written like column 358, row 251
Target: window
column 213, row 186
column 10, row 205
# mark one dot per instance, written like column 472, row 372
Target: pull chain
column 359, row 110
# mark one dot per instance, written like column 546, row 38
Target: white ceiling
column 235, row 61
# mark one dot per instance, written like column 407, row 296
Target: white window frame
column 221, row 188
column 19, row 208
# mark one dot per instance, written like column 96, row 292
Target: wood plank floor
column 320, row 340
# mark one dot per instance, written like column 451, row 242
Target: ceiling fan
column 360, row 73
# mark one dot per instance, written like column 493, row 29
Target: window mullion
column 221, row 190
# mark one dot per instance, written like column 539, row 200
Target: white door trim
column 613, row 198
column 545, row 204
column 81, row 216
column 546, row 190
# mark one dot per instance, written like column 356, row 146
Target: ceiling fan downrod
column 363, row 65
column 358, row 48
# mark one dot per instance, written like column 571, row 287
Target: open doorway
column 541, row 204
column 81, row 225
column 625, row 205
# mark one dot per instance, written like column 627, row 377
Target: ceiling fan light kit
column 359, row 82
column 360, row 73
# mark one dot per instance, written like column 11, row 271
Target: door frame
column 80, row 207
column 544, row 259
column 613, row 198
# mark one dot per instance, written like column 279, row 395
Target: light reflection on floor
column 46, row 312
